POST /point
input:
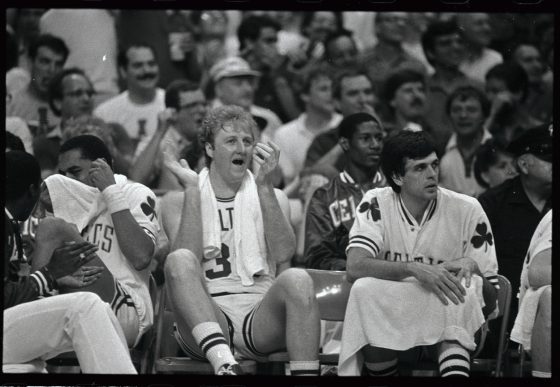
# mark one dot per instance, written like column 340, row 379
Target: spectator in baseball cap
column 536, row 141
column 516, row 206
column 234, row 82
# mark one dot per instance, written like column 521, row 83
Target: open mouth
column 238, row 162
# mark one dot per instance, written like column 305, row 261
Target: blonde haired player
column 232, row 233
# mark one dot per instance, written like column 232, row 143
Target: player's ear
column 209, row 149
column 343, row 141
column 398, row 179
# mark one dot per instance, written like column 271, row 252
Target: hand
column 84, row 276
column 70, row 257
column 266, row 157
column 100, row 174
column 463, row 268
column 440, row 281
column 181, row 170
column 166, row 119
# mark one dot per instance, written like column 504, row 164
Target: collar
column 452, row 143
column 428, row 213
column 346, row 178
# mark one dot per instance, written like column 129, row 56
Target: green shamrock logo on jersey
column 482, row 237
column 149, row 208
column 373, row 207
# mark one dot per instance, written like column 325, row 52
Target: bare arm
column 135, row 244
column 144, row 166
column 187, row 233
column 540, row 269
column 279, row 235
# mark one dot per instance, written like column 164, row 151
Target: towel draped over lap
column 400, row 315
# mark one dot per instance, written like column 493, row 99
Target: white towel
column 400, row 315
column 250, row 245
column 76, row 202
column 522, row 331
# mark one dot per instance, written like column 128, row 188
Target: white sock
column 211, row 340
column 304, row 368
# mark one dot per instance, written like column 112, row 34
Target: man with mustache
column 404, row 96
column 136, row 108
column 48, row 54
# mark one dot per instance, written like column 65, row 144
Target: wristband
column 115, row 199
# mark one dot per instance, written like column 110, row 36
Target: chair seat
column 187, row 365
column 32, row 367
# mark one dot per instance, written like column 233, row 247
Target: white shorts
column 239, row 310
column 127, row 313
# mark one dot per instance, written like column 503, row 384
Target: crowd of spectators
column 327, row 91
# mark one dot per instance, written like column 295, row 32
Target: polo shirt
column 513, row 219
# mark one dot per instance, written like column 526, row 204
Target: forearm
column 144, row 166
column 135, row 244
column 189, row 234
column 39, row 283
column 280, row 238
column 360, row 263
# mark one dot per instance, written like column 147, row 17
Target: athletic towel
column 400, row 315
column 251, row 249
column 76, row 202
column 523, row 328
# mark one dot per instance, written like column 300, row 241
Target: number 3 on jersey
column 223, row 261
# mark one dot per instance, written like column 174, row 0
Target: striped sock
column 454, row 361
column 211, row 340
column 304, row 368
column 384, row 368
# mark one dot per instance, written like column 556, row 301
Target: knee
column 364, row 285
column 297, row 284
column 180, row 264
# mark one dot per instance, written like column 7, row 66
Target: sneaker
column 230, row 369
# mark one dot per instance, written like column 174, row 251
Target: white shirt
column 294, row 140
column 453, row 174
column 477, row 69
column 91, row 37
column 122, row 110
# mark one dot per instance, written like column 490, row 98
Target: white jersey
column 100, row 231
column 221, row 273
column 541, row 240
column 454, row 226
column 140, row 121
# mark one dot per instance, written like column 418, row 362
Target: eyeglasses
column 79, row 93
